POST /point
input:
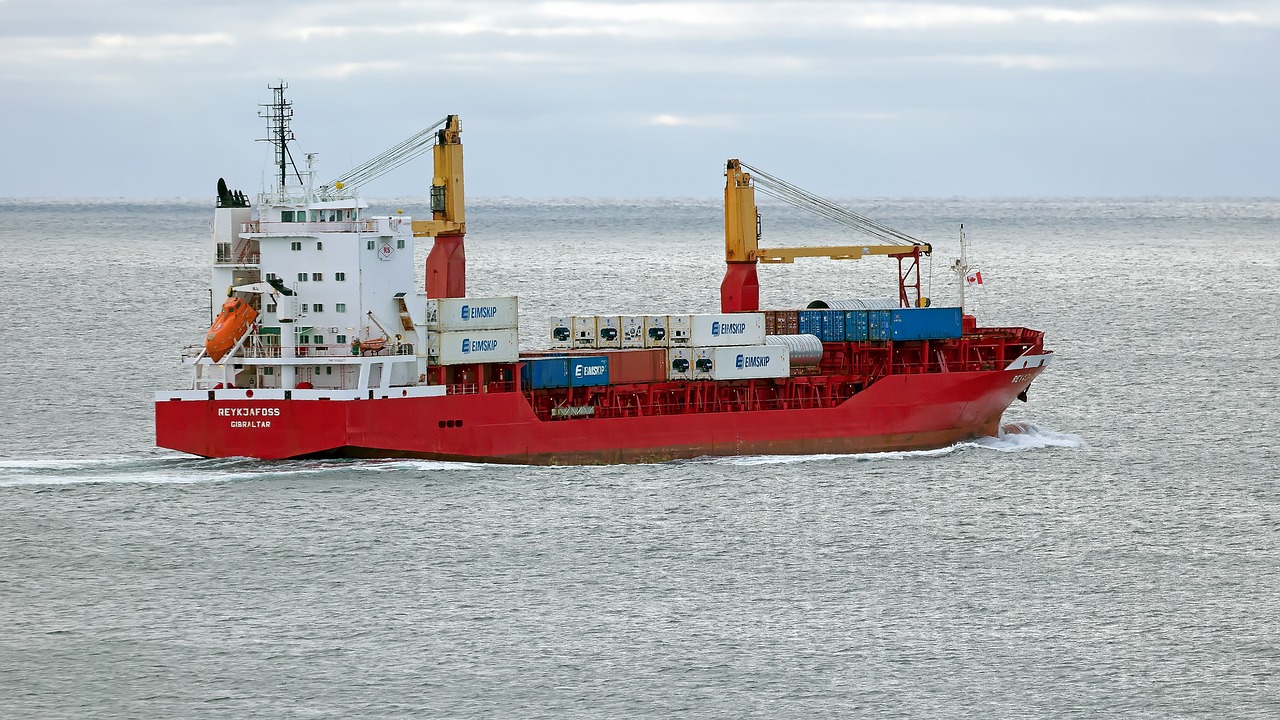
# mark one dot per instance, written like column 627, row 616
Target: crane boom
column 740, row 289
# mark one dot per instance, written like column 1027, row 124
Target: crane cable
column 389, row 160
column 805, row 200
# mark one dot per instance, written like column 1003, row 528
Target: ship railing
column 463, row 389
column 273, row 227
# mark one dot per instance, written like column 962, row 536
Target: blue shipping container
column 880, row 325
column 932, row 323
column 587, row 371
column 544, row 373
column 811, row 322
column 855, row 325
column 832, row 326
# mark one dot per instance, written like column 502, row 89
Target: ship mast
column 278, row 113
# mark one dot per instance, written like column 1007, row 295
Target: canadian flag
column 974, row 279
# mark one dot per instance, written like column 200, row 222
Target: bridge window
column 340, row 277
column 317, row 276
column 340, row 307
column 271, row 307
column 302, row 277
column 342, row 340
column 319, row 339
column 318, row 307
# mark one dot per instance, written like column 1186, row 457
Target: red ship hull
column 899, row 412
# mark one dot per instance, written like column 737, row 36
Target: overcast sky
column 603, row 98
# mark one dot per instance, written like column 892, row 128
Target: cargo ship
column 325, row 347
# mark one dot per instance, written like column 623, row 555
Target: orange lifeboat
column 232, row 322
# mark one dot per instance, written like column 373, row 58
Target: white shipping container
column 562, row 332
column 584, row 331
column 703, row 362
column 473, row 346
column 655, row 331
column 491, row 313
column 748, row 362
column 727, row 329
column 680, row 364
column 631, row 327
column 608, row 333
column 678, row 330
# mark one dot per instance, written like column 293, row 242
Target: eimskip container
column 545, row 372
column 588, row 371
column 608, row 333
column 656, row 331
column 631, row 329
column 562, row 332
column 462, row 347
column 749, row 362
column 680, row 363
column 584, row 331
column 726, row 329
column 492, row 313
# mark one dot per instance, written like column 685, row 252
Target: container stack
column 472, row 330
column 860, row 325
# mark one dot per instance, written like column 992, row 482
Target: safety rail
column 275, row 227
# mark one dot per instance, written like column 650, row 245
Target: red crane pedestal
column 740, row 289
column 447, row 268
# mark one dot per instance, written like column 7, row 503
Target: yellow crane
column 447, row 261
column 740, row 290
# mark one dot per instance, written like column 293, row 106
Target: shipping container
column 931, row 323
column 788, row 322
column 770, row 322
column 656, row 331
column 584, row 331
column 742, row 362
column 678, row 330
column 680, row 363
column 880, row 325
column 855, row 325
column 586, row 371
column 562, row 332
column 905, row 324
column 726, row 329
column 631, row 328
column 473, row 346
column 450, row 314
column 637, row 366
column 804, row 350
column 810, row 322
column 544, row 373
column 833, row 329
column 608, row 333
column 703, row 362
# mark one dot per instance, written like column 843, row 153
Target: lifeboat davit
column 235, row 318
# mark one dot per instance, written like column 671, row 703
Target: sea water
column 1116, row 551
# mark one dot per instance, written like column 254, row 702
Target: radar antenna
column 278, row 114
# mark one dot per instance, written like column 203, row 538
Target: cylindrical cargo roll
column 806, row 350
column 855, row 304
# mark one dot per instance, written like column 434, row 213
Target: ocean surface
column 1117, row 556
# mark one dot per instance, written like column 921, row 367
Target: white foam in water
column 1013, row 437
column 1019, row 436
